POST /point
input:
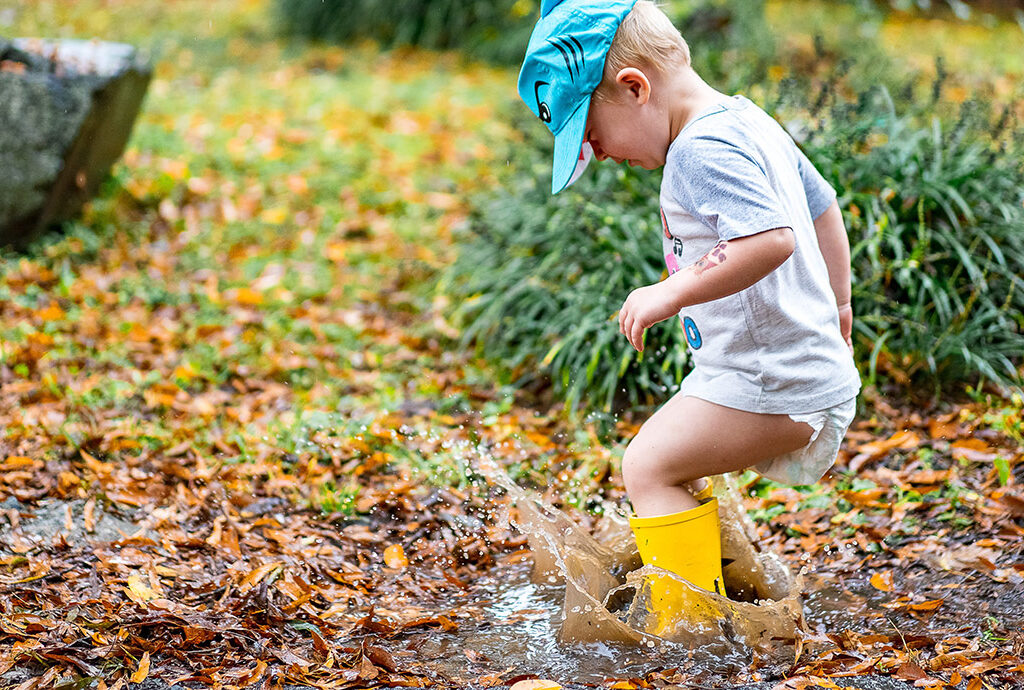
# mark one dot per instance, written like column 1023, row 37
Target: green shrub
column 498, row 30
column 495, row 30
column 936, row 224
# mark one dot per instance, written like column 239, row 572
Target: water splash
column 605, row 584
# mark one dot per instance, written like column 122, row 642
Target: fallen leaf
column 944, row 426
column 908, row 670
column 394, row 556
column 138, row 591
column 904, row 440
column 367, row 671
column 882, row 581
column 973, row 450
column 143, row 670
column 254, row 577
column 929, row 605
column 979, row 667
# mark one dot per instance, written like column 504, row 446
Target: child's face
column 626, row 128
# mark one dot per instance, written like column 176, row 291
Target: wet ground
column 508, row 625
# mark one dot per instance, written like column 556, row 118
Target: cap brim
column 568, row 143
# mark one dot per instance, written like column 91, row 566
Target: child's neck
column 688, row 96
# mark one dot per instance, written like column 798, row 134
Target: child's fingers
column 638, row 335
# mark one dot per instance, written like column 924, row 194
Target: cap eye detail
column 543, row 111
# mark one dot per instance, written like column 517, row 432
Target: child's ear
column 636, row 82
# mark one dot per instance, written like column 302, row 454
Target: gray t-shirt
column 775, row 347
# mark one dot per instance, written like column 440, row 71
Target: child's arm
column 729, row 267
column 835, row 248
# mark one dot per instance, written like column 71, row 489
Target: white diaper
column 809, row 464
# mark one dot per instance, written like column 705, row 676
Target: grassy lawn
column 269, row 228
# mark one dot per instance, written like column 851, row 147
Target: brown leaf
column 367, row 671
column 970, row 557
column 88, row 519
column 979, row 667
column 195, row 636
column 138, row 591
column 489, row 681
column 254, row 577
column 289, row 657
column 1013, row 503
column 908, row 670
column 443, row 622
column 929, row 476
column 381, row 658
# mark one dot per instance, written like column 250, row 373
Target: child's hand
column 645, row 307
column 846, row 324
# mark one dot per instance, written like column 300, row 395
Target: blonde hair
column 646, row 38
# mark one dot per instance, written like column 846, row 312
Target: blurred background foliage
column 925, row 153
column 910, row 108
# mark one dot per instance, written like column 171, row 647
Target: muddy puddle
column 575, row 612
column 581, row 608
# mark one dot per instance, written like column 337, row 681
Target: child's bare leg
column 689, row 438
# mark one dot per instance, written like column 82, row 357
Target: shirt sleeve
column 820, row 193
column 724, row 187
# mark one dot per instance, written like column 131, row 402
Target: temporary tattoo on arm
column 713, row 258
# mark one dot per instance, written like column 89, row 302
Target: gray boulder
column 66, row 112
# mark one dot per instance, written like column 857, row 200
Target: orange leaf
column 14, row 461
column 143, row 670
column 394, row 556
column 905, row 440
column 943, row 427
column 336, row 252
column 972, row 449
column 248, row 296
column 882, row 581
column 50, row 313
column 929, row 605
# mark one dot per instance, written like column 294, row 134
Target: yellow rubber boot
column 688, row 544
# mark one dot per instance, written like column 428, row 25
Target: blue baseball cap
column 564, row 64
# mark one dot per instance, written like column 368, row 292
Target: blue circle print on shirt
column 692, row 334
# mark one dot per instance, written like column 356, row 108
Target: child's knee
column 633, row 470
column 645, row 468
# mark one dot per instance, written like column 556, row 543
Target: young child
column 758, row 261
